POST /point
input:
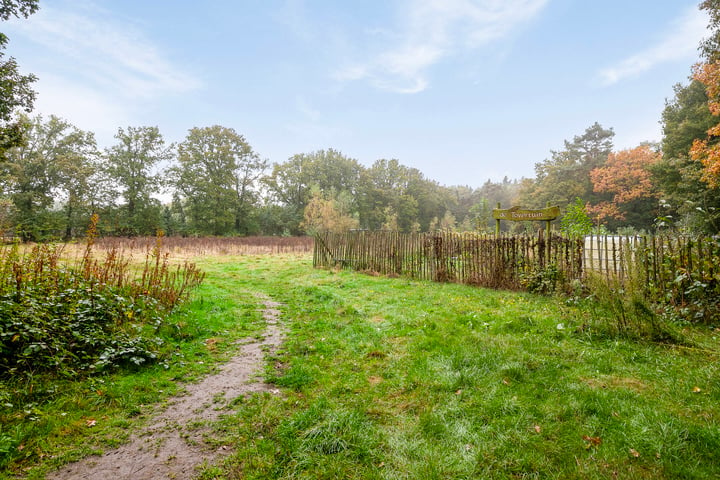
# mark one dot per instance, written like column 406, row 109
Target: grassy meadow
column 390, row 378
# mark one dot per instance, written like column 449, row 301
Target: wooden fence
column 667, row 265
column 662, row 265
column 483, row 260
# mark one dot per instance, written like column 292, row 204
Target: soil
column 172, row 445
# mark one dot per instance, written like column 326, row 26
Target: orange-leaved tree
column 707, row 150
column 626, row 176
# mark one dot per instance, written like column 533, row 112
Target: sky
column 463, row 90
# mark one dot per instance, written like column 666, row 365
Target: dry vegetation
column 200, row 246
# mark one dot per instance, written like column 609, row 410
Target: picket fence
column 495, row 261
column 663, row 264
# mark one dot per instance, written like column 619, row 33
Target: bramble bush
column 70, row 318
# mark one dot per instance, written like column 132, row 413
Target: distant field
column 213, row 245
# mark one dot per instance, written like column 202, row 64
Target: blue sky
column 463, row 90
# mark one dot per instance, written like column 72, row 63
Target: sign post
column 517, row 214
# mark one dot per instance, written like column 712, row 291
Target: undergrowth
column 67, row 318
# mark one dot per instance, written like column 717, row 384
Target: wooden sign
column 518, row 214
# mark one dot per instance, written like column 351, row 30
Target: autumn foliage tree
column 707, row 150
column 627, row 177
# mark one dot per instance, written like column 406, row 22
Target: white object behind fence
column 609, row 253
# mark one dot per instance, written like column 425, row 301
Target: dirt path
column 170, row 447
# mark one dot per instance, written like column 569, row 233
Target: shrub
column 67, row 318
column 542, row 280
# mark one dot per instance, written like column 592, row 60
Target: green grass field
column 389, row 378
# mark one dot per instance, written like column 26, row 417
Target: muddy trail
column 172, row 446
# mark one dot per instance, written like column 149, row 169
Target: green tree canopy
column 52, row 168
column 16, row 93
column 291, row 183
column 216, row 175
column 133, row 164
column 691, row 202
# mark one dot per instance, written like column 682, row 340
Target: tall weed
column 68, row 317
column 622, row 307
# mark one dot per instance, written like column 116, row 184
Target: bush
column 542, row 280
column 67, row 318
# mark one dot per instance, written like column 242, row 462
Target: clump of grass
column 622, row 306
column 621, row 309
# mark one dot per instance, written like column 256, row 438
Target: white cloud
column 84, row 107
column 95, row 69
column 106, row 51
column 680, row 43
column 431, row 30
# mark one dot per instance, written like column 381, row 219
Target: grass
column 398, row 379
column 390, row 378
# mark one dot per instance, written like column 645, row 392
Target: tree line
column 214, row 183
column 53, row 176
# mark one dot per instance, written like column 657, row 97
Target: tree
column 292, row 183
column 685, row 119
column 576, row 222
column 710, row 47
column 413, row 199
column 216, row 178
column 627, row 177
column 51, row 169
column 707, row 150
column 133, row 164
column 15, row 88
column 327, row 215
column 566, row 175
column 384, row 197
column 76, row 165
column 691, row 176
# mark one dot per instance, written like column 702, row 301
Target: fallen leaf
column 374, row 380
column 537, row 428
column 506, row 381
column 592, row 441
column 634, row 453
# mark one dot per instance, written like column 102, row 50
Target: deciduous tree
column 16, row 93
column 291, row 183
column 627, row 177
column 216, row 177
column 688, row 200
column 707, row 150
column 327, row 215
column 51, row 169
column 134, row 165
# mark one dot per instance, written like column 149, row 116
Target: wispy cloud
column 427, row 31
column 112, row 53
column 680, row 43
